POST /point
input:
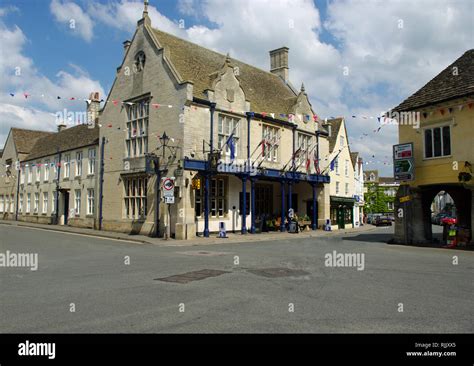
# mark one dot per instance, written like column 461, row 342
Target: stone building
column 358, row 165
column 70, row 154
column 240, row 142
column 379, row 193
column 341, row 170
column 17, row 146
column 32, row 162
column 443, row 150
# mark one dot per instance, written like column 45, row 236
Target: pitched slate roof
column 25, row 139
column 367, row 176
column 387, row 180
column 266, row 92
column 68, row 139
column 445, row 85
column 335, row 127
column 354, row 156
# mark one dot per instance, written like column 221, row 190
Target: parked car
column 437, row 219
column 383, row 221
column 371, row 218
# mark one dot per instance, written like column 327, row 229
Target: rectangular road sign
column 403, row 162
column 404, row 170
column 405, row 199
column 403, row 151
column 169, row 200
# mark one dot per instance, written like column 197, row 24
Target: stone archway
column 462, row 198
column 413, row 215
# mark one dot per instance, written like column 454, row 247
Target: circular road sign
column 168, row 184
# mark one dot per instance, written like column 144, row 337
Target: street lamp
column 164, row 139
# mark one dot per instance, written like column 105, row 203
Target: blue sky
column 386, row 62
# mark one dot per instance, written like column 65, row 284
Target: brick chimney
column 279, row 63
column 93, row 107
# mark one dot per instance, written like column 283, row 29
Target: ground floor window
column 348, row 211
column 12, row 203
column 90, row 201
column 135, row 201
column 36, row 203
column 45, row 202
column 20, row 205
column 77, row 201
column 333, row 215
column 217, row 198
column 341, row 214
column 263, row 199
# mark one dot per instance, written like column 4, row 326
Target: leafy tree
column 376, row 201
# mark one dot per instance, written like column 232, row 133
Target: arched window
column 140, row 59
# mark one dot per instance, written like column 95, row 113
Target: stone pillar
column 415, row 219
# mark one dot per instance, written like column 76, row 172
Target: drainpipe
column 317, row 148
column 293, row 156
column 212, row 110
column 101, row 182
column 252, row 180
column 17, row 192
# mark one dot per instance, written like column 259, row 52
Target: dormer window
column 140, row 59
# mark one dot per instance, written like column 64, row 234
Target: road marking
column 69, row 233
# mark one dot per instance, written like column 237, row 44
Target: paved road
column 111, row 296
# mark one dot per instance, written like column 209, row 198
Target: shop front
column 342, row 209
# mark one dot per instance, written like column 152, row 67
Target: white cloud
column 19, row 76
column 188, row 7
column 74, row 18
column 124, row 15
column 30, row 118
column 391, row 48
column 8, row 9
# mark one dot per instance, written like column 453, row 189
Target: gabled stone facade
column 175, row 87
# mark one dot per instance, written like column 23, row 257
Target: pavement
column 284, row 284
column 213, row 239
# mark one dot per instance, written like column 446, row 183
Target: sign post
column 168, row 197
column 403, row 162
column 404, row 170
